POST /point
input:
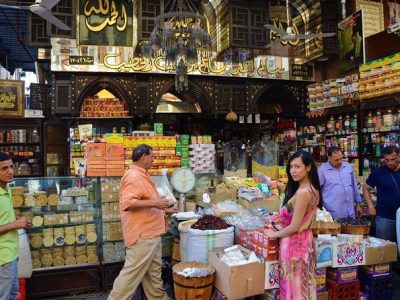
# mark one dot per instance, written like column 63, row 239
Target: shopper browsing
column 143, row 222
column 8, row 233
column 386, row 180
column 297, row 250
column 339, row 186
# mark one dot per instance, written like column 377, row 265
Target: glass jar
column 23, row 169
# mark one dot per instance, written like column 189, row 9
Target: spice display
column 209, row 222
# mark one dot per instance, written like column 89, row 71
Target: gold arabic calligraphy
column 110, row 12
column 274, row 35
column 139, row 64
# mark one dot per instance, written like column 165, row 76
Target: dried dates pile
column 209, row 222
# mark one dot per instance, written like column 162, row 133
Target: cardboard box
column 379, row 255
column 271, row 275
column 95, row 150
column 348, row 254
column 96, row 173
column 237, row 282
column 273, row 203
column 95, row 160
column 115, row 150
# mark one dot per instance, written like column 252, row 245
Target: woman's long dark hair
column 292, row 186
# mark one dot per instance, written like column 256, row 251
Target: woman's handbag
column 25, row 259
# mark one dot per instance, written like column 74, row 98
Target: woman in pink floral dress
column 297, row 250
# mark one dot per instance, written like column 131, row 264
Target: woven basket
column 320, row 227
column 356, row 229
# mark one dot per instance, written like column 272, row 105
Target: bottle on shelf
column 330, row 125
column 378, row 119
column 388, row 119
column 347, row 123
column 353, row 123
column 339, row 124
column 398, row 119
column 369, row 121
column 35, row 136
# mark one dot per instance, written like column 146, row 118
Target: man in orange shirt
column 143, row 222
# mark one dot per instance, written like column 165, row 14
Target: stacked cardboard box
column 94, row 107
column 202, row 158
column 115, row 159
column 95, row 159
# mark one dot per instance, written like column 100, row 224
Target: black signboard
column 305, row 70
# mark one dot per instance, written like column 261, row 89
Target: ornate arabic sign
column 122, row 59
column 11, row 98
column 372, row 16
column 105, row 22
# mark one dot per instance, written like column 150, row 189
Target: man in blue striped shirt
column 339, row 186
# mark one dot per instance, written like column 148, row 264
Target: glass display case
column 65, row 219
column 113, row 248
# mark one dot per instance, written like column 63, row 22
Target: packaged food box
column 342, row 275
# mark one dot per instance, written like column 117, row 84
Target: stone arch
column 100, row 83
column 194, row 94
column 278, row 94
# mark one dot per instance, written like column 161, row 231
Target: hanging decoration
column 181, row 38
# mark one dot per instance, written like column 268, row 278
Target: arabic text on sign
column 81, row 60
column 7, row 100
column 108, row 13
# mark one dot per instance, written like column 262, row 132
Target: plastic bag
column 25, row 259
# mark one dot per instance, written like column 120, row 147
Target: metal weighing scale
column 183, row 181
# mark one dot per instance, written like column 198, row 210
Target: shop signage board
column 305, row 70
column 372, row 16
column 66, row 56
column 351, row 42
column 105, row 22
column 11, row 98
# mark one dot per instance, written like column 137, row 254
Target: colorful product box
column 376, row 270
column 271, row 275
column 185, row 163
column 158, row 128
column 185, row 152
column 324, row 255
column 348, row 254
column 342, row 275
column 185, row 139
column 265, row 247
column 114, row 138
column 320, row 276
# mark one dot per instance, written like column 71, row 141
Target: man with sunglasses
column 386, row 180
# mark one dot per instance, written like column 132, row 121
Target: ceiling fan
column 43, row 9
column 288, row 34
